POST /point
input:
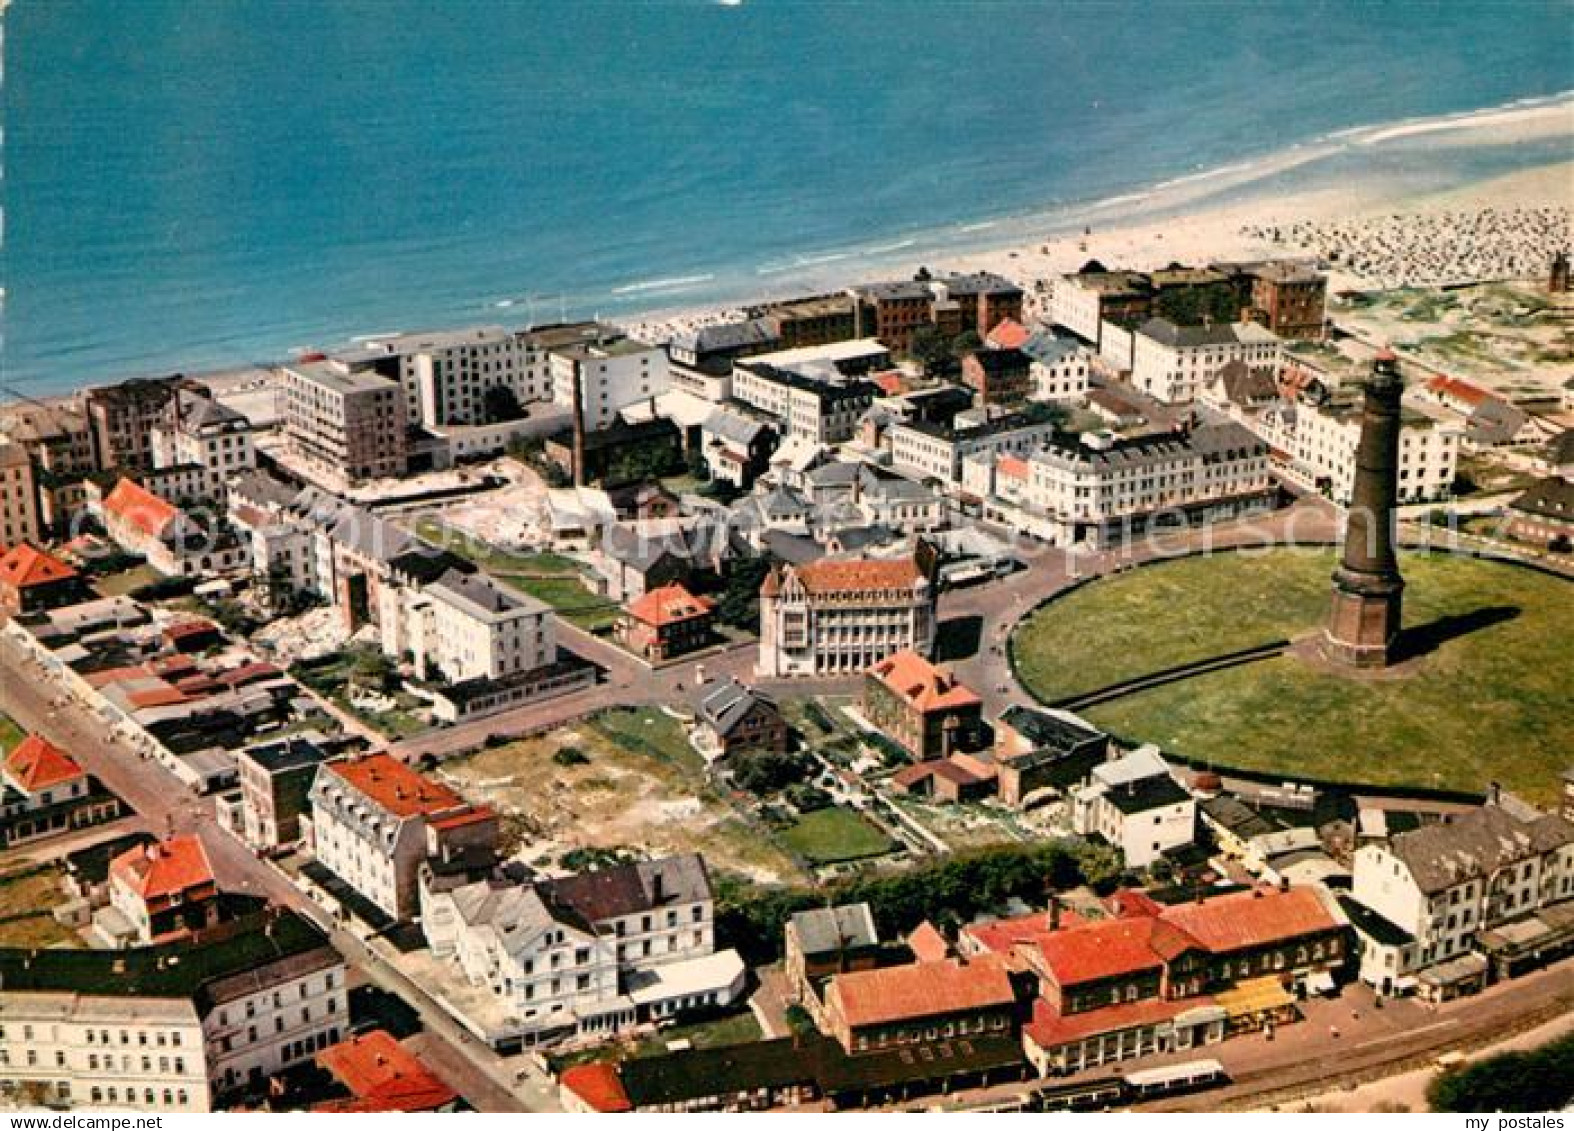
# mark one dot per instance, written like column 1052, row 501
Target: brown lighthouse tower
column 1363, row 623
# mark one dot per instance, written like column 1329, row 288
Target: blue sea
column 197, row 184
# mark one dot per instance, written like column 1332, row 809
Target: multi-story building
column 733, row 717
column 1044, row 748
column 123, row 417
column 668, row 621
column 448, row 377
column 610, row 371
column 1322, row 442
column 998, row 376
column 1099, row 488
column 1083, row 303
column 375, row 821
column 824, row 941
column 1461, row 891
column 58, row 435
column 893, row 311
column 920, row 1005
column 813, row 321
column 164, row 890
column 275, row 782
column 841, row 617
column 198, row 431
column 1060, row 367
column 824, row 408
column 1137, row 806
column 1174, row 363
column 925, row 709
column 592, row 952
column 19, row 513
column 1544, row 514
column 711, row 350
column 346, row 426
column 175, row 1027
column 174, row 542
column 934, row 451
column 469, row 626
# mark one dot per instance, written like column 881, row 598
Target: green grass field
column 1487, row 704
column 10, row 733
column 834, row 836
column 27, row 898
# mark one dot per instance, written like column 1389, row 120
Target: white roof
column 1143, row 762
column 670, row 980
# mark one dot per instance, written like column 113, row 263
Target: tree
column 371, row 668
column 965, row 343
column 739, row 605
column 931, row 349
column 763, row 772
column 1539, row 1080
column 1045, row 412
column 500, row 404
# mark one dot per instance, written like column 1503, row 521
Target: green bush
column 571, row 756
column 1539, row 1080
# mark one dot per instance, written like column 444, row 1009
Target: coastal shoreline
column 1194, row 218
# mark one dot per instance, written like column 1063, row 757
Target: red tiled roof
column 1110, row 948
column 140, row 507
column 948, row 768
column 249, row 673
column 24, row 566
column 1009, row 334
column 1003, row 934
column 165, row 696
column 927, row 943
column 892, row 382
column 669, row 604
column 36, row 763
column 1048, row 1028
column 1014, row 466
column 598, row 1085
column 459, row 820
column 194, row 626
column 382, row 1075
column 1129, row 903
column 394, row 786
column 924, row 989
column 165, row 868
column 1252, row 918
column 920, row 684
column 1458, row 390
column 826, row 576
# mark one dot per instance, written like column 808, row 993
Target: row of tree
column 1539, row 1080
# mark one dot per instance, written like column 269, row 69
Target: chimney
column 657, row 887
column 1494, row 792
column 1054, row 912
column 1284, row 883
column 579, row 428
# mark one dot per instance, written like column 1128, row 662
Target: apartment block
column 1174, row 363
column 197, row 431
column 123, row 417
column 610, row 370
column 19, row 512
column 346, row 426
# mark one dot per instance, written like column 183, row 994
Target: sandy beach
column 1370, row 230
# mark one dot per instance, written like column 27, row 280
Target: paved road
column 166, row 806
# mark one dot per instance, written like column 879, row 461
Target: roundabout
column 1481, row 694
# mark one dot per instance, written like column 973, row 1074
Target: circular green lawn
column 1489, row 701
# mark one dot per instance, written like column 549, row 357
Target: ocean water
column 192, row 184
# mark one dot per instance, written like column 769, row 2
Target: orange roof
column 135, row 504
column 390, row 783
column 164, row 868
column 1459, row 390
column 826, row 576
column 36, row 763
column 892, row 382
column 598, row 1085
column 1014, row 466
column 1110, row 948
column 24, row 566
column 924, row 989
column 1049, row 1028
column 157, row 697
column 382, row 1075
column 1009, row 334
column 1003, row 934
column 927, row 943
column 922, row 685
column 1252, row 918
column 670, row 604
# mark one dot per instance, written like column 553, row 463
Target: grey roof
column 1168, row 333
column 856, row 538
column 729, row 704
column 1477, row 844
column 292, row 753
column 728, row 336
column 794, row 549
column 1055, row 729
column 629, row 889
column 264, row 488
column 641, row 551
column 733, row 426
column 1373, row 925
column 1495, row 422
column 980, row 283
column 1245, row 385
column 517, row 912
column 1046, row 347
column 479, row 594
column 197, row 411
column 826, row 930
column 1142, row 794
column 1549, row 498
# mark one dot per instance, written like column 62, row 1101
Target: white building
column 611, row 370
column 445, row 376
column 1060, row 368
column 586, row 953
column 470, row 626
column 1444, row 885
column 200, row 432
column 1175, row 363
column 822, row 407
column 932, row 451
column 19, row 519
column 169, row 1028
column 1137, row 806
column 841, row 616
column 1322, row 444
column 375, row 821
column 1082, row 302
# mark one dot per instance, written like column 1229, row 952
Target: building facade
column 346, row 426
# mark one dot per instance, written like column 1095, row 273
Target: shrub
column 571, row 756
